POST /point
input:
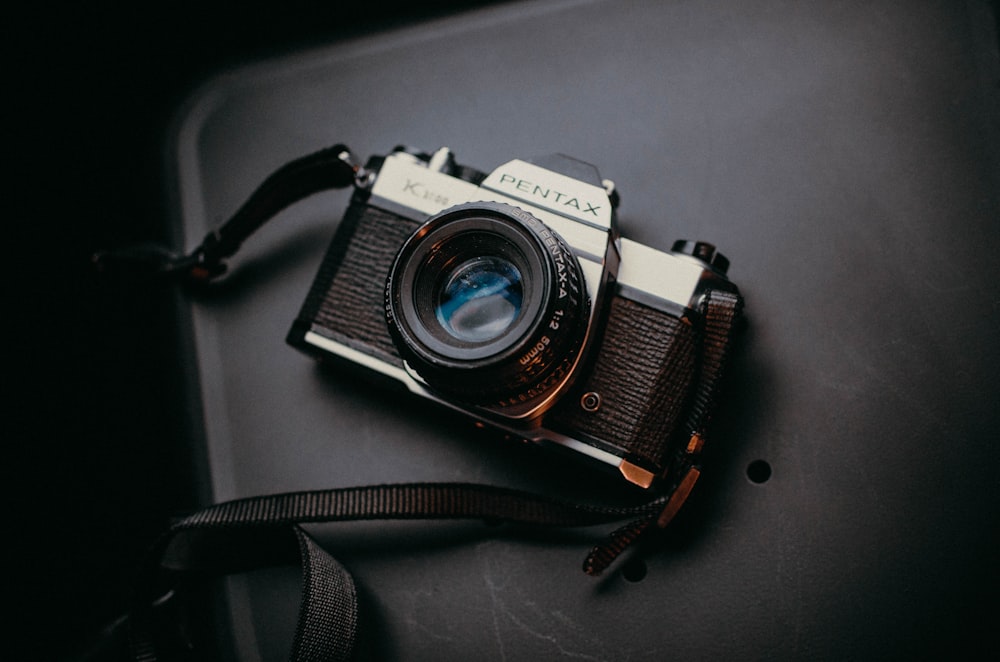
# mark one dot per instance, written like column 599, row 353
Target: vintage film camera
column 511, row 297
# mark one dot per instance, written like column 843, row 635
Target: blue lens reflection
column 480, row 299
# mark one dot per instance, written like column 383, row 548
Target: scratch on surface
column 551, row 639
column 501, row 612
column 496, row 605
column 414, row 623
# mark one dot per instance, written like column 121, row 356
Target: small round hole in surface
column 634, row 570
column 758, row 471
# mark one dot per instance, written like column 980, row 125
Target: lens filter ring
column 487, row 304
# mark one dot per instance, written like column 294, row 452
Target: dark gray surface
column 843, row 156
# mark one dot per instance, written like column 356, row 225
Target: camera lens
column 480, row 299
column 487, row 305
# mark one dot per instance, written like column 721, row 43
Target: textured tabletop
column 843, row 156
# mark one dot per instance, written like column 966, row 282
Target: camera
column 510, row 297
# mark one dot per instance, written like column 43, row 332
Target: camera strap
column 329, row 168
column 266, row 530
column 263, row 531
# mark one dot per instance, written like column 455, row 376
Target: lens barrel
column 487, row 304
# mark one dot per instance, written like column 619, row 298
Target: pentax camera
column 509, row 296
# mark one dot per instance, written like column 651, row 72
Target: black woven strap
column 328, row 611
column 721, row 312
column 325, row 169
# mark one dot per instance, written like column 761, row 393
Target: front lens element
column 480, row 299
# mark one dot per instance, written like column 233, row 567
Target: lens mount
column 487, row 304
